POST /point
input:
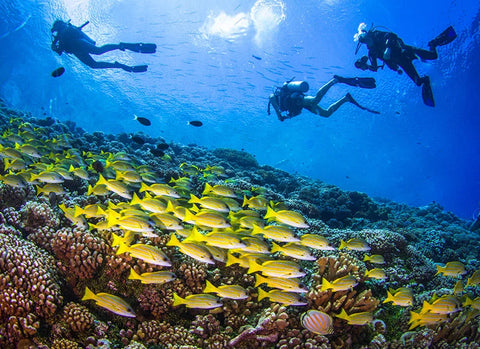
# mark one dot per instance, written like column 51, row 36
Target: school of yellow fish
column 216, row 227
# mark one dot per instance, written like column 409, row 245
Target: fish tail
column 208, row 188
column 343, row 244
column 173, row 241
column 262, row 294
column 245, row 201
column 426, row 307
column 415, row 317
column 209, row 287
column 259, row 279
column 270, row 213
column 90, row 190
column 256, row 230
column 117, row 240
column 135, row 200
column 440, row 269
column 77, row 211
column 189, row 216
column 193, row 199
column 40, row 190
column 231, row 259
column 195, row 235
column 169, row 207
column 88, row 295
column 122, row 248
column 467, row 302
column 389, row 298
column 326, row 285
column 101, row 180
column 143, row 187
column 343, row 315
column 71, row 168
column 134, row 275
column 253, row 267
column 275, row 248
column 366, row 258
column 177, row 300
column 135, row 117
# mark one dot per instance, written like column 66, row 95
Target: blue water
column 204, row 70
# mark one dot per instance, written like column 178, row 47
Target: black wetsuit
column 401, row 55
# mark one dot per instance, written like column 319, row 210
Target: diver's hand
column 361, row 65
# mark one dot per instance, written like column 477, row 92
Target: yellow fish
column 98, row 190
column 374, row 258
column 209, row 219
column 474, row 280
column 226, row 291
column 283, row 269
column 158, row 277
column 458, row 289
column 291, row 218
column 189, row 169
column 50, row 188
column 452, row 269
column 218, row 254
column 475, row 303
column 48, row 177
column 110, row 302
column 293, row 250
column 166, row 221
column 403, row 299
column 159, row 189
column 376, row 273
column 289, row 285
column 222, row 240
column 276, row 232
column 119, row 165
column 147, row 253
column 211, row 203
column 116, row 187
column 254, row 245
column 197, row 301
column 70, row 215
column 358, row 319
column 193, row 250
column 220, row 190
column 13, row 180
column 316, row 242
column 354, row 244
column 444, row 305
column 125, row 240
column 128, row 176
column 277, row 296
column 134, row 223
column 79, row 172
column 341, row 284
column 257, row 202
column 418, row 319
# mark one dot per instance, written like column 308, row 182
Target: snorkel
column 360, row 35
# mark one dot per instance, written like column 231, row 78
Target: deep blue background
column 410, row 153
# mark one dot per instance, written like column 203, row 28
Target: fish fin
column 259, row 279
column 440, row 269
column 101, row 180
column 326, row 285
column 177, row 300
column 134, row 275
column 262, row 294
column 253, row 267
column 88, row 295
column 122, row 248
column 343, row 244
column 143, row 187
column 173, row 241
column 275, row 248
column 209, row 287
column 270, row 213
column 389, row 298
column 208, row 188
column 193, row 199
column 343, row 315
column 245, row 201
column 231, row 259
column 256, row 230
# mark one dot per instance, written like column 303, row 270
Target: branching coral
column 29, row 289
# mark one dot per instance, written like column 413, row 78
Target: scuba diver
column 389, row 48
column 72, row 39
column 291, row 97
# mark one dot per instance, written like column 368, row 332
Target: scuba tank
column 297, row 86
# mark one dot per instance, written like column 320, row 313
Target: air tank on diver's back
column 297, row 86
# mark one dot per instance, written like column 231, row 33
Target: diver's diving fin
column 140, row 47
column 427, row 93
column 139, row 68
column 353, row 101
column 445, row 37
column 357, row 82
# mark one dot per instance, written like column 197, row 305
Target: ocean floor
column 101, row 212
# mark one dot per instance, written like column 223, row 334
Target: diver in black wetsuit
column 389, row 48
column 71, row 39
column 291, row 97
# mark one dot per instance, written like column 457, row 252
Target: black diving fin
column 353, row 101
column 139, row 47
column 357, row 82
column 445, row 37
column 139, row 68
column 427, row 93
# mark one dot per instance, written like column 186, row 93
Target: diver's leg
column 333, row 107
column 426, row 55
column 105, row 48
column 321, row 92
column 409, row 68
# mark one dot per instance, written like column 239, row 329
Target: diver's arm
column 273, row 102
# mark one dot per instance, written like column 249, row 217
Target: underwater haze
column 218, row 61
